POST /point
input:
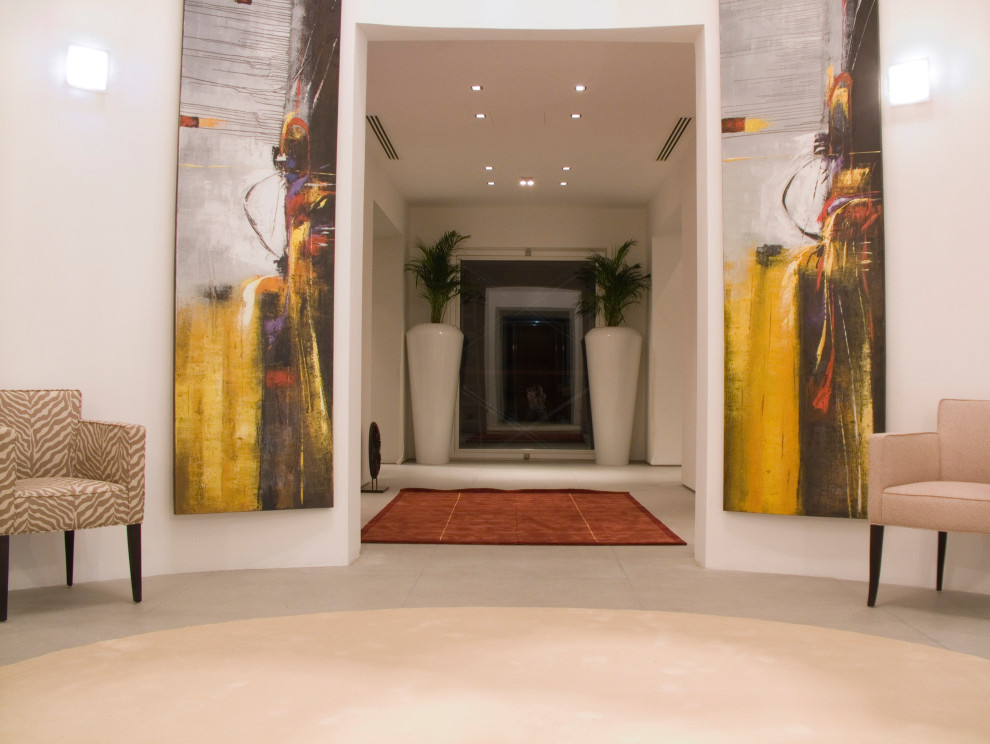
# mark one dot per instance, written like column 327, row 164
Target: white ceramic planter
column 613, row 374
column 434, row 355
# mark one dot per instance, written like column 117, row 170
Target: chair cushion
column 45, row 422
column 951, row 506
column 56, row 504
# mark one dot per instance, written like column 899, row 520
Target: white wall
column 938, row 324
column 87, row 241
column 388, row 377
column 691, row 247
column 936, row 162
column 86, row 235
column 666, row 342
column 672, row 218
column 384, row 340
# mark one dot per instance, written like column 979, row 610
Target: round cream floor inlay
column 498, row 675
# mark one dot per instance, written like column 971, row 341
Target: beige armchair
column 59, row 473
column 931, row 480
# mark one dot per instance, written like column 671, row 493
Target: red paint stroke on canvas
column 200, row 122
column 744, row 124
column 279, row 378
column 733, row 124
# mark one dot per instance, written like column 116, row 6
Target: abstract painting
column 803, row 254
column 254, row 257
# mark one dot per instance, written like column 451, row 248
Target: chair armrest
column 112, row 452
column 896, row 459
column 8, row 474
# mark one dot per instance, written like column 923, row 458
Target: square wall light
column 908, row 82
column 87, row 68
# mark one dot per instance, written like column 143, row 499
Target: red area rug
column 487, row 516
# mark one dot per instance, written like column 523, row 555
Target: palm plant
column 436, row 272
column 613, row 284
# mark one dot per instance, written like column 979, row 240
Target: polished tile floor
column 395, row 576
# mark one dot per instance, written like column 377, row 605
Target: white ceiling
column 636, row 92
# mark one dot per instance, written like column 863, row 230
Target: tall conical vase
column 613, row 374
column 434, row 355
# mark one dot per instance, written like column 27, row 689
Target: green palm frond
column 436, row 272
column 612, row 284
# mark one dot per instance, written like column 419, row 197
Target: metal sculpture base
column 373, row 487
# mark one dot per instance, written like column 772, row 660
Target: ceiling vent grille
column 382, row 135
column 674, row 138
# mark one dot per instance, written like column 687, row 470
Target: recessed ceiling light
column 526, row 182
column 580, row 88
column 575, row 116
column 566, row 167
column 563, row 183
column 491, row 183
column 489, row 167
column 479, row 116
column 476, row 87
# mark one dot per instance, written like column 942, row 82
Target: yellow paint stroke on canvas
column 762, row 443
column 218, row 389
column 753, row 125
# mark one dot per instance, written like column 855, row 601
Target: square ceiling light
column 87, row 68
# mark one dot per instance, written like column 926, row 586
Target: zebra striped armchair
column 59, row 473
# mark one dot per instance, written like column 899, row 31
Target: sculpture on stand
column 374, row 460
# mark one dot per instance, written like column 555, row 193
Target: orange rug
column 487, row 516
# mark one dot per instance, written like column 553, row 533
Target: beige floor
column 395, row 576
column 498, row 675
column 808, row 683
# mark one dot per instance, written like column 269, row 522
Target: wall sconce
column 908, row 82
column 87, row 68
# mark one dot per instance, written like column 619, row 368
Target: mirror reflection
column 523, row 378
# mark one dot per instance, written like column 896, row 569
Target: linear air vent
column 674, row 137
column 382, row 135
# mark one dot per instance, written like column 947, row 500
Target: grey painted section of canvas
column 236, row 72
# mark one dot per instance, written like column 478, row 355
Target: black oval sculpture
column 374, row 451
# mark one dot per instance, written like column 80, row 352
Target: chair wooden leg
column 876, row 551
column 70, row 552
column 942, row 539
column 4, row 572
column 134, row 557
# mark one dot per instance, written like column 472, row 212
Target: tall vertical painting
column 804, row 254
column 254, row 257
